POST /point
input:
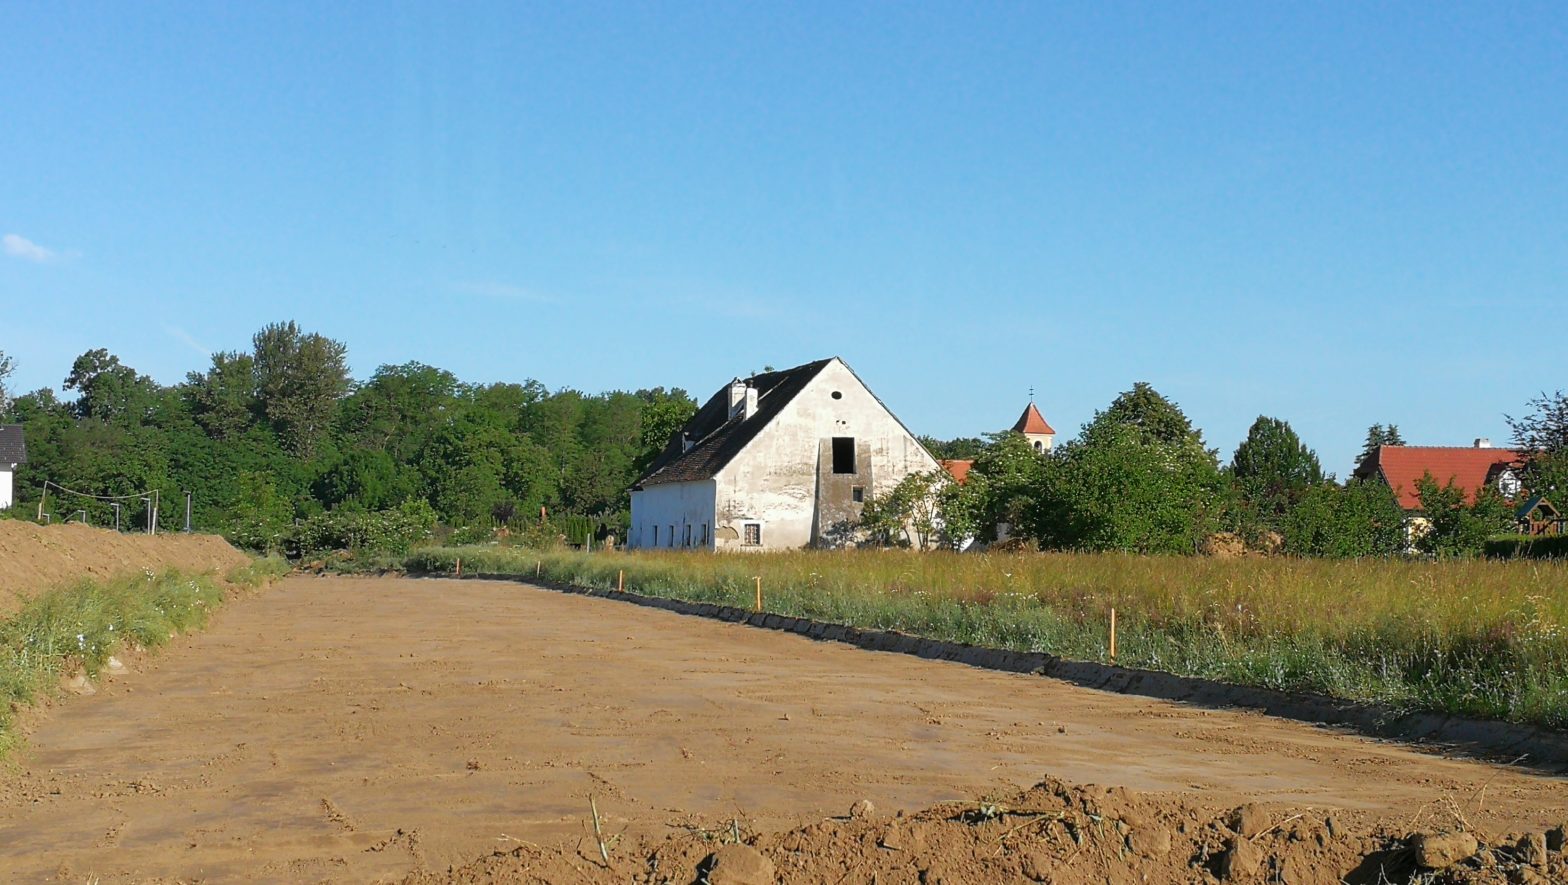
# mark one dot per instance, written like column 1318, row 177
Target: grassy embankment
column 1474, row 638
column 81, row 625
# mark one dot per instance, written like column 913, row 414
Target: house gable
column 1470, row 469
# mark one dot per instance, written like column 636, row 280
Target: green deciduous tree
column 7, row 366
column 1455, row 527
column 1361, row 518
column 108, row 390
column 223, row 399
column 1138, row 477
column 299, row 379
column 909, row 514
column 1542, row 439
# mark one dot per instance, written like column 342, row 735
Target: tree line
column 280, row 436
column 1140, row 478
column 279, row 446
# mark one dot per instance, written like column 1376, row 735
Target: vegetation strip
column 80, row 626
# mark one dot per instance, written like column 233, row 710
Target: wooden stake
column 759, row 593
column 1113, row 635
column 460, row 566
column 598, row 834
column 620, row 582
column 538, row 569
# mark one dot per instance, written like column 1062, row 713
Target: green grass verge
column 1472, row 638
column 82, row 624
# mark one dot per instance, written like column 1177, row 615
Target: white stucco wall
column 6, row 474
column 773, row 481
column 677, row 505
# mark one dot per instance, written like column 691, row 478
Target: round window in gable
column 837, row 394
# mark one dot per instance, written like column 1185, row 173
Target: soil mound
column 34, row 558
column 1063, row 834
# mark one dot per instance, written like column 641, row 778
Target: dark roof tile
column 717, row 437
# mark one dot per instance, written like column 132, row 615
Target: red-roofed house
column 957, row 468
column 1032, row 425
column 1470, row 468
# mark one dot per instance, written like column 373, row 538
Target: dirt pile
column 35, row 558
column 1057, row 833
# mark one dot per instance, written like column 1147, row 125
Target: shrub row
column 1528, row 547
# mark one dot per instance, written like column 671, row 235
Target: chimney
column 737, row 396
column 1483, row 443
column 685, row 442
column 751, row 402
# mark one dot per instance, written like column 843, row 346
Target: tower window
column 858, row 494
column 843, row 454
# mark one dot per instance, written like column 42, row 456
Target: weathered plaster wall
column 774, row 482
column 677, row 505
column 5, row 485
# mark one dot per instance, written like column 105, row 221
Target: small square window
column 858, row 494
column 753, row 536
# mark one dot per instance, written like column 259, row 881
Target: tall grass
column 81, row 625
column 1474, row 638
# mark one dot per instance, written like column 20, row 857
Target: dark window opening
column 687, row 541
column 838, row 394
column 753, row 535
column 843, row 454
column 858, row 494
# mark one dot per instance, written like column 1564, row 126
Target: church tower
column 1032, row 425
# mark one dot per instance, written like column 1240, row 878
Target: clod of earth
column 737, row 865
column 1241, row 859
column 1439, row 851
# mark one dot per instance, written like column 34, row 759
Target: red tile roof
column 1403, row 466
column 958, row 469
column 1033, row 422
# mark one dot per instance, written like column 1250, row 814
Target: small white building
column 776, row 461
column 13, row 453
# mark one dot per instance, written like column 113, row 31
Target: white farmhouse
column 775, row 461
column 13, row 452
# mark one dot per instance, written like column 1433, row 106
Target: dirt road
column 356, row 728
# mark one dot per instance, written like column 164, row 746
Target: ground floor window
column 655, row 537
column 753, row 535
column 704, row 534
column 672, row 536
column 686, row 540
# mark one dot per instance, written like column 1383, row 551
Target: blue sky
column 1336, row 214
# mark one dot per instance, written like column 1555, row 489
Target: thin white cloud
column 185, row 338
column 505, row 291
column 18, row 246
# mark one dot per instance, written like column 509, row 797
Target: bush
column 1527, row 547
column 383, row 530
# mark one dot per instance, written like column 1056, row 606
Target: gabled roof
column 1403, row 466
column 958, row 469
column 13, row 448
column 1033, row 422
column 717, row 437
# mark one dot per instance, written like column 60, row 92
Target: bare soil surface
column 360, row 729
column 34, row 558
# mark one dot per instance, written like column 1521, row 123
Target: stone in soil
column 1241, row 859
